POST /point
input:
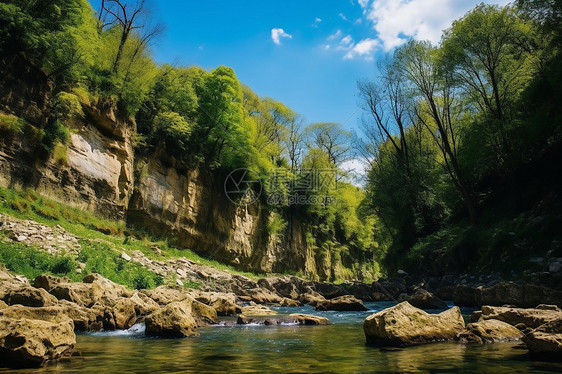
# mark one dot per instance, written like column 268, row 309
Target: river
column 338, row 348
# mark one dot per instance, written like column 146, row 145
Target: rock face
column 404, row 325
column 342, row 304
column 32, row 342
column 172, row 321
column 546, row 341
column 424, row 300
column 490, row 331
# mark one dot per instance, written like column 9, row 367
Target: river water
column 338, row 348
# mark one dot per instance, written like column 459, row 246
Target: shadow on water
column 338, row 348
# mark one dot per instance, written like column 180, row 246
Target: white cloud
column 342, row 16
column 335, row 35
column 396, row 21
column 317, row 21
column 345, row 42
column 365, row 48
column 277, row 34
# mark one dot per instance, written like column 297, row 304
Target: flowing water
column 339, row 348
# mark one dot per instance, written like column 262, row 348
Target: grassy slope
column 102, row 242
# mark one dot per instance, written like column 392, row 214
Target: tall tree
column 438, row 109
column 331, row 138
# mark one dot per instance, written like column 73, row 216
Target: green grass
column 102, row 240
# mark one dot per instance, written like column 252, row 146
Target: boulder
column 328, row 290
column 3, row 305
column 144, row 305
column 48, row 282
column 258, row 295
column 405, row 324
column 546, row 341
column 306, row 319
column 257, row 310
column 164, row 295
column 342, row 304
column 204, row 315
column 172, row 321
column 19, row 293
column 32, row 342
column 110, row 288
column 362, row 291
column 531, row 317
column 83, row 294
column 85, row 319
column 120, row 316
column 424, row 299
column 490, row 331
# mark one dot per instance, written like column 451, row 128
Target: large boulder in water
column 342, row 304
column 546, row 341
column 404, row 325
column 490, row 331
column 172, row 321
column 32, row 342
column 424, row 299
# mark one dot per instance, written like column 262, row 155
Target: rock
column 120, row 316
column 424, row 299
column 204, row 315
column 257, row 310
column 22, row 294
column 144, row 305
column 391, row 289
column 362, row 291
column 110, row 288
column 126, row 257
column 223, row 303
column 289, row 303
column 520, row 295
column 532, row 317
column 446, row 293
column 311, row 297
column 172, row 321
column 32, row 342
column 328, row 290
column 164, row 295
column 301, row 319
column 306, row 319
column 555, row 267
column 404, row 325
column 83, row 294
column 48, row 282
column 3, row 305
column 342, row 304
column 401, row 273
column 476, row 316
column 258, row 295
column 490, row 331
column 546, row 341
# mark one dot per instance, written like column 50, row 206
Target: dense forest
column 447, row 129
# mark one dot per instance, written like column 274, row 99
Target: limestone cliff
column 193, row 207
column 98, row 174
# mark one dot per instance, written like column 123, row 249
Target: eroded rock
column 405, row 324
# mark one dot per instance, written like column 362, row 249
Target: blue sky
column 308, row 54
